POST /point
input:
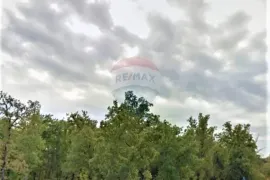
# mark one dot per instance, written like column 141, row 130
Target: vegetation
column 131, row 143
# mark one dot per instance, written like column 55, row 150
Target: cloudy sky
column 211, row 55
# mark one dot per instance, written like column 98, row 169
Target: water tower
column 136, row 74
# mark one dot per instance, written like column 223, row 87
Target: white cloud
column 73, row 94
column 127, row 14
column 78, row 26
column 39, row 75
column 130, row 51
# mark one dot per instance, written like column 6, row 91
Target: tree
column 56, row 137
column 82, row 141
column 28, row 142
column 12, row 111
column 123, row 147
column 241, row 148
column 130, row 143
column 266, row 167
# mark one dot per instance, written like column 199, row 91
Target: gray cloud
column 71, row 63
column 237, row 20
column 235, row 85
column 126, row 37
column 54, row 48
column 92, row 12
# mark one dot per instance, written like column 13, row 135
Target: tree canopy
column 130, row 143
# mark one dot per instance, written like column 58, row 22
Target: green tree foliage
column 131, row 143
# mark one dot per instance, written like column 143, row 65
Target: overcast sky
column 211, row 55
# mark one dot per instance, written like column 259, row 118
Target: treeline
column 131, row 143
